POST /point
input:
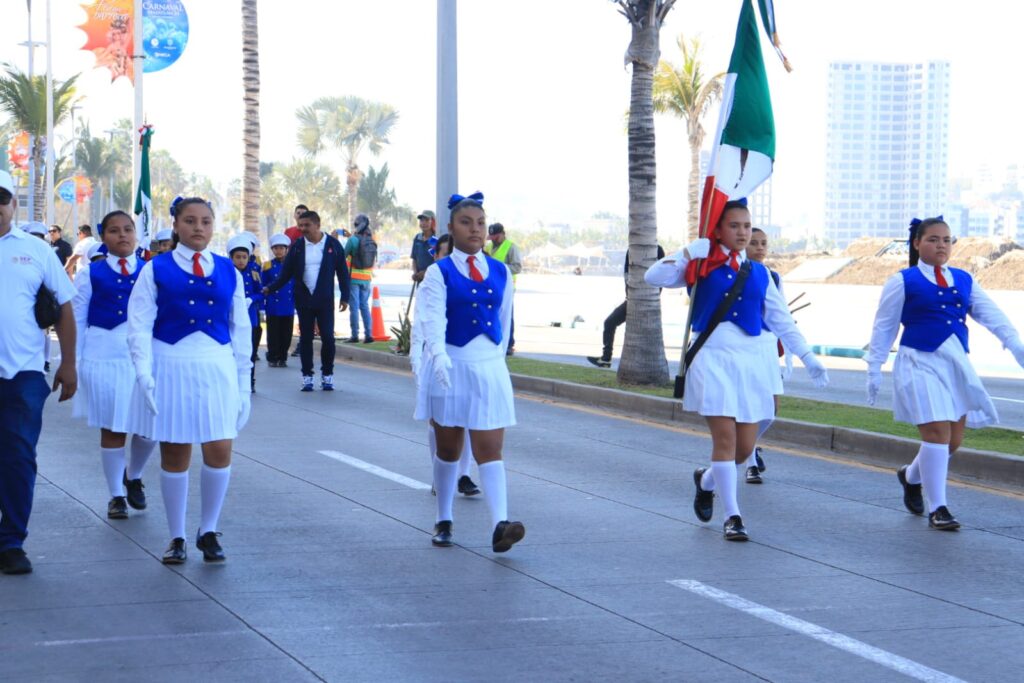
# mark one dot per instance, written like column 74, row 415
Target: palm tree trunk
column 39, row 190
column 352, row 177
column 693, row 194
column 643, row 353
column 251, row 126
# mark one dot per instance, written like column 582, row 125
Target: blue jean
column 359, row 303
column 21, row 419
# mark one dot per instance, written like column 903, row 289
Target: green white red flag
column 143, row 198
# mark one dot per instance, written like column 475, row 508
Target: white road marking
column 134, row 639
column 1008, row 400
column 905, row 666
column 379, row 471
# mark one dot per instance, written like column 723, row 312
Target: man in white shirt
column 26, row 264
column 81, row 248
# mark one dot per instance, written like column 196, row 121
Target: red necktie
column 121, row 262
column 474, row 274
column 733, row 262
column 196, row 268
column 939, row 279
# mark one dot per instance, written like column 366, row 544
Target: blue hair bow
column 477, row 197
column 174, row 205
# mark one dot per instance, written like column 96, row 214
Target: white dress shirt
column 314, row 257
column 890, row 311
column 26, row 262
column 104, row 344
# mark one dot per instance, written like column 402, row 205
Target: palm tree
column 96, row 162
column 348, row 124
column 685, row 94
column 313, row 184
column 643, row 352
column 24, row 100
column 377, row 200
column 251, row 127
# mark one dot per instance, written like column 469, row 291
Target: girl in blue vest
column 439, row 248
column 280, row 305
column 240, row 251
column 464, row 311
column 934, row 385
column 729, row 382
column 105, row 372
column 190, row 339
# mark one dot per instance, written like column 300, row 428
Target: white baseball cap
column 34, row 228
column 93, row 251
column 253, row 238
column 164, row 234
column 280, row 240
column 6, row 182
column 240, row 242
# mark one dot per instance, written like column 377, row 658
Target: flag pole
column 138, row 66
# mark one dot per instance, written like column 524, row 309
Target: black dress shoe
column 368, row 340
column 599, row 361
column 295, row 353
column 117, row 508
column 136, row 496
column 467, row 487
column 703, row 501
column 351, row 340
column 912, row 498
column 734, row 529
column 754, row 475
column 175, row 553
column 759, row 460
column 507, row 534
column 14, row 561
column 208, row 543
column 442, row 534
column 943, row 520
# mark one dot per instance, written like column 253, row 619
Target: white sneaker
column 326, row 382
column 307, row 383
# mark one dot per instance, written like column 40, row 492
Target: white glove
column 815, row 369
column 147, row 385
column 442, row 371
column 787, row 370
column 244, row 408
column 248, row 302
column 874, row 384
column 699, row 248
column 1017, row 349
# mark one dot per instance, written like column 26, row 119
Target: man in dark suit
column 313, row 263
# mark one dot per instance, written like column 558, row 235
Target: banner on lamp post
column 109, row 30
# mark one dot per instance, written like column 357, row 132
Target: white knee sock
column 495, row 486
column 707, row 480
column 141, row 449
column 466, row 460
column 214, row 487
column 914, row 471
column 174, row 487
column 763, row 426
column 934, row 459
column 446, row 476
column 431, row 441
column 725, row 479
column 113, row 469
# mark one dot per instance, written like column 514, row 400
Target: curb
column 968, row 465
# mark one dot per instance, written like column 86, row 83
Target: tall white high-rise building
column 887, row 145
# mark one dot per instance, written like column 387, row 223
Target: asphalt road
column 331, row 575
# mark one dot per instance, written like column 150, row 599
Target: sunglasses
column 5, row 197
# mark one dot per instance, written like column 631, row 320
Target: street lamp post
column 51, row 160
column 447, row 109
column 74, row 168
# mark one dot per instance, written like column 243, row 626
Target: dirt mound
column 972, row 264
column 783, row 263
column 985, row 247
column 869, row 270
column 1007, row 272
column 866, row 246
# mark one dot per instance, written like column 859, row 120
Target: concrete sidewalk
column 331, row 575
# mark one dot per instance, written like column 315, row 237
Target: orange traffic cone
column 378, row 332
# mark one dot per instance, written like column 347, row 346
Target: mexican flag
column 143, row 201
column 744, row 145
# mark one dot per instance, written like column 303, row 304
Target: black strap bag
column 47, row 309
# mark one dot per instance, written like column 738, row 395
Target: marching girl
column 190, row 341
column 440, row 247
column 934, row 384
column 240, row 250
column 464, row 312
column 105, row 370
column 757, row 251
column 729, row 382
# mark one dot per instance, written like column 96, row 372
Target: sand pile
column 869, row 270
column 783, row 263
column 985, row 247
column 1007, row 272
column 866, row 246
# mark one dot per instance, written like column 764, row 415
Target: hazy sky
column 542, row 89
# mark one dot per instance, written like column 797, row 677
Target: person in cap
column 463, row 385
column 312, row 265
column 162, row 242
column 95, row 253
column 106, row 373
column 280, row 305
column 420, row 254
column 503, row 249
column 26, row 265
column 36, row 229
column 191, row 343
column 361, row 250
column 240, row 251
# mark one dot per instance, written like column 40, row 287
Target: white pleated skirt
column 196, row 395
column 939, row 386
column 730, row 377
column 480, row 396
column 770, row 346
column 106, row 378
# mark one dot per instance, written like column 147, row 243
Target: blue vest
column 254, row 292
column 746, row 311
column 187, row 303
column 932, row 313
column 281, row 302
column 108, row 306
column 473, row 307
column 777, row 279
